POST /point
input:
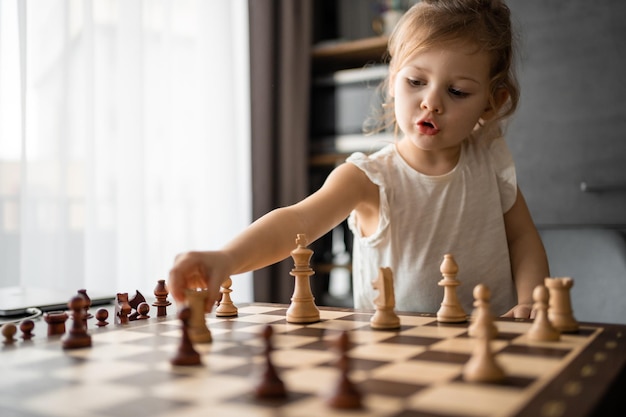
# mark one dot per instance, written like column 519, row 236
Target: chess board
column 412, row 371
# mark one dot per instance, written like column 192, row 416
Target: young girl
column 447, row 185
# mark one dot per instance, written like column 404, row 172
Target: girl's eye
column 458, row 93
column 415, row 82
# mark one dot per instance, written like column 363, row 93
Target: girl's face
column 440, row 94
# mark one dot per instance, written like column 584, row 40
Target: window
column 124, row 139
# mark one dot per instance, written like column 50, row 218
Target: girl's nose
column 432, row 102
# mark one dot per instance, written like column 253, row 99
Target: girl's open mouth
column 427, row 127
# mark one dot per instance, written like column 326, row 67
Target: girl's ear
column 499, row 98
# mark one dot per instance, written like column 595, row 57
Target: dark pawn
column 186, row 354
column 270, row 386
column 8, row 331
column 27, row 326
column 102, row 315
column 142, row 310
column 77, row 337
column 345, row 395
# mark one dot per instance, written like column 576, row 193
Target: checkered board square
column 413, row 371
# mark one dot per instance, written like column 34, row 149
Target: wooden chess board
column 412, row 371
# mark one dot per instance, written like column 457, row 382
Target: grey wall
column 571, row 124
column 571, row 128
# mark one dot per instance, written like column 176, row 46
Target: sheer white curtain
column 124, row 139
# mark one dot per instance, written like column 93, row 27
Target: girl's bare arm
column 272, row 237
column 529, row 262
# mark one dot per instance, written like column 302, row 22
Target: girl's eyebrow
column 468, row 78
column 462, row 77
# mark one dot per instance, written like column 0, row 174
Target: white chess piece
column 451, row 310
column 542, row 330
column 560, row 310
column 226, row 308
column 198, row 330
column 302, row 308
column 483, row 366
column 384, row 317
column 482, row 317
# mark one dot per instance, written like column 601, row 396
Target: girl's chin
column 431, row 144
column 426, row 143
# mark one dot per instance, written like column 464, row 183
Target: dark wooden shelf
column 326, row 268
column 327, row 159
column 330, row 57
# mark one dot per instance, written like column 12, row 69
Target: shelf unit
column 329, row 57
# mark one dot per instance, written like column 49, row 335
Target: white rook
column 560, row 311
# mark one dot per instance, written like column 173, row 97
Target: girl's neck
column 432, row 163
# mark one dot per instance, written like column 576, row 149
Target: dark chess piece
column 134, row 302
column 122, row 308
column 102, row 315
column 143, row 309
column 270, row 386
column 77, row 337
column 88, row 315
column 27, row 326
column 161, row 303
column 345, row 395
column 56, row 322
column 186, row 355
column 8, row 331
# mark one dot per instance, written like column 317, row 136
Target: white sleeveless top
column 424, row 217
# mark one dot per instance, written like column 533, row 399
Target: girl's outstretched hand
column 521, row 311
column 195, row 270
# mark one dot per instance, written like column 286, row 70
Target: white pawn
column 482, row 366
column 226, row 308
column 542, row 330
column 482, row 318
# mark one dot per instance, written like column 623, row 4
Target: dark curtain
column 280, row 62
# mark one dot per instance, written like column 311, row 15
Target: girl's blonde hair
column 483, row 23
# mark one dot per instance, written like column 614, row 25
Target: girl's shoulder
column 385, row 152
column 495, row 149
column 495, row 156
column 375, row 165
